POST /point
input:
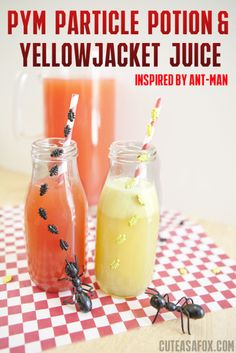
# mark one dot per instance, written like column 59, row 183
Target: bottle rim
column 128, row 152
column 42, row 149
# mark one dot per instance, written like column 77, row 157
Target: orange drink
column 65, row 206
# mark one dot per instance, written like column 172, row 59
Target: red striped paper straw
column 150, row 128
column 68, row 130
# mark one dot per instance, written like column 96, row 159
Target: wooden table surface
column 215, row 326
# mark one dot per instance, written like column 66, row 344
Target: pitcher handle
column 18, row 120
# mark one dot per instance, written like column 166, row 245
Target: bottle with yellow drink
column 127, row 221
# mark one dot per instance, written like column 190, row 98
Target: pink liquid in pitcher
column 94, row 125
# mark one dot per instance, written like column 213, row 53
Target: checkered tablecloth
column 32, row 320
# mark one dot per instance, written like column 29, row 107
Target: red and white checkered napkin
column 32, row 320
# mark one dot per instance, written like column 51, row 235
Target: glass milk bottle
column 127, row 222
column 55, row 213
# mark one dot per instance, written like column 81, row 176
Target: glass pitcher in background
column 95, row 122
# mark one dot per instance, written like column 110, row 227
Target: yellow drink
column 127, row 229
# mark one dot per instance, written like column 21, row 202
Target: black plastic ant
column 79, row 293
column 188, row 308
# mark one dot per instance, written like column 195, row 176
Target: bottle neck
column 51, row 158
column 53, row 150
column 127, row 160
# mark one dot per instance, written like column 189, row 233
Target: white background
column 195, row 134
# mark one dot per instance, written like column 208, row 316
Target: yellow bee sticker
column 121, row 238
column 183, row 271
column 154, row 114
column 115, row 264
column 143, row 157
column 130, row 183
column 216, row 270
column 7, row 279
column 141, row 200
column 133, row 220
column 149, row 130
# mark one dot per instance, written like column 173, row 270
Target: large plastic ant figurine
column 188, row 308
column 79, row 293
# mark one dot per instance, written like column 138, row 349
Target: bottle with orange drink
column 55, row 212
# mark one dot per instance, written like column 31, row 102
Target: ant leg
column 188, row 321
column 154, row 289
column 151, row 293
column 167, row 296
column 185, row 301
column 76, row 261
column 155, row 316
column 90, row 290
column 73, row 293
column 82, row 272
column 180, row 300
column 89, row 286
column 87, row 290
column 64, row 279
column 189, row 299
column 182, row 321
column 70, row 299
